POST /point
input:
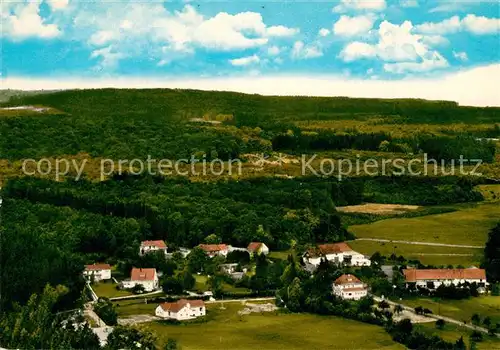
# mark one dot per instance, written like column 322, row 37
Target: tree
column 188, row 281
column 124, row 337
column 215, row 284
column 105, row 309
column 492, row 255
column 138, row 289
column 294, row 296
column 487, row 321
column 476, row 336
column 213, row 239
column 419, row 310
column 440, row 324
column 197, row 260
column 460, row 344
column 172, row 285
column 383, row 305
column 476, row 319
column 398, row 309
column 171, row 344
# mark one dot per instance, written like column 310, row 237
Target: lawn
column 282, row 255
column 468, row 226
column 461, row 310
column 201, row 283
column 424, row 253
column 126, row 308
column 452, row 332
column 109, row 290
column 225, row 329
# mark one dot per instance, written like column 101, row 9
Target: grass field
column 424, row 253
column 225, row 329
column 126, row 308
column 461, row 309
column 467, row 226
column 452, row 332
column 108, row 290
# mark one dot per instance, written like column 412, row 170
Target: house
column 152, row 246
column 182, row 309
column 228, row 268
column 147, row 277
column 349, row 287
column 258, row 248
column 433, row 278
column 97, row 272
column 340, row 253
column 215, row 249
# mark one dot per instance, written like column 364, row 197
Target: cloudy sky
column 322, row 47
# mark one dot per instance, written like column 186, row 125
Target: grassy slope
column 468, row 226
column 452, row 332
column 226, row 330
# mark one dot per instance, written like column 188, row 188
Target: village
column 149, row 286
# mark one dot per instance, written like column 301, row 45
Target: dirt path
column 420, row 243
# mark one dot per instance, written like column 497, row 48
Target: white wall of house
column 344, row 292
column 149, row 286
column 150, row 248
column 456, row 282
column 97, row 275
column 186, row 313
column 357, row 259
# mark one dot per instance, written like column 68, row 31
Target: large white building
column 339, row 253
column 97, row 272
column 147, row 277
column 433, row 278
column 152, row 246
column 181, row 310
column 349, row 287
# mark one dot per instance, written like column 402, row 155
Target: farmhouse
column 349, row 287
column 97, row 272
column 433, row 278
column 258, row 248
column 340, row 253
column 148, row 278
column 181, row 310
column 152, row 246
column 215, row 249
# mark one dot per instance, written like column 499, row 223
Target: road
column 438, row 317
column 419, row 243
column 136, row 296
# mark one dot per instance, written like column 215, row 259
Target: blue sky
column 367, row 40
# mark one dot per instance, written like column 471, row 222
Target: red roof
column 329, row 248
column 210, row 248
column 254, row 246
column 139, row 274
column 179, row 304
column 345, row 279
column 159, row 244
column 96, row 267
column 413, row 275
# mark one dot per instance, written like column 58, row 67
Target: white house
column 181, row 310
column 147, row 277
column 258, row 248
column 152, row 246
column 97, row 272
column 215, row 249
column 337, row 253
column 349, row 287
column 433, row 278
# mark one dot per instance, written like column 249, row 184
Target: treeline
column 492, row 255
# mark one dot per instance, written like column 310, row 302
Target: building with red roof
column 152, row 246
column 97, row 272
column 433, row 278
column 147, row 277
column 257, row 248
column 339, row 253
column 349, row 286
column 215, row 249
column 182, row 309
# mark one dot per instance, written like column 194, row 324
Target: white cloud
column 245, row 61
column 353, row 26
column 273, row 51
column 408, row 3
column 359, row 5
column 399, row 47
column 56, row 5
column 435, row 40
column 21, row 21
column 323, row 32
column 109, row 57
column 475, row 24
column 447, row 7
column 462, row 56
column 473, row 87
column 300, row 51
column 281, row 31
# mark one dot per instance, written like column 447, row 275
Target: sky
column 367, row 48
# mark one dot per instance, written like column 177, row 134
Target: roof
column 96, row 267
column 347, row 278
column 179, row 304
column 158, row 243
column 140, row 274
column 413, row 275
column 213, row 247
column 253, row 246
column 329, row 248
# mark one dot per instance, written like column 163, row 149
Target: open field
column 452, row 332
column 467, row 226
column 461, row 309
column 126, row 308
column 490, row 192
column 428, row 255
column 378, row 209
column 225, row 329
column 108, row 290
